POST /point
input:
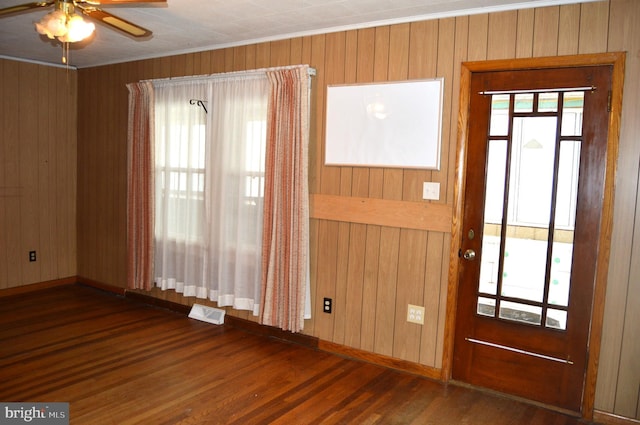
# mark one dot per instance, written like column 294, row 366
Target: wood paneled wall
column 37, row 173
column 618, row 388
column 373, row 269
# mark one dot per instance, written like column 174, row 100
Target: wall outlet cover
column 327, row 305
column 415, row 314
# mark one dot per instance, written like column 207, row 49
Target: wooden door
column 533, row 201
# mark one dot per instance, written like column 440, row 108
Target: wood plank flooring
column 118, row 361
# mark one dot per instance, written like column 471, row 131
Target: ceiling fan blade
column 115, row 22
column 23, row 7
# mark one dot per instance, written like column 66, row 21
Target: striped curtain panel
column 140, row 187
column 285, row 241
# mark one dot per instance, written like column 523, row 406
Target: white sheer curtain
column 210, row 141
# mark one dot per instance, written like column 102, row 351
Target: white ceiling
column 183, row 26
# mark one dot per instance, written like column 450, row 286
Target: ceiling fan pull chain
column 65, row 53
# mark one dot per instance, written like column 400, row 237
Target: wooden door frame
column 617, row 60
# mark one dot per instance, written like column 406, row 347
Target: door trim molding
column 617, row 61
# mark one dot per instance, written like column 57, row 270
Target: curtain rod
column 524, row 91
column 310, row 71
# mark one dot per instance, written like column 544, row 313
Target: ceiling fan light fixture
column 77, row 29
column 52, row 24
column 64, row 24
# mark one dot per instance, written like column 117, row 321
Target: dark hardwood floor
column 118, row 361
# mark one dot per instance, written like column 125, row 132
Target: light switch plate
column 431, row 191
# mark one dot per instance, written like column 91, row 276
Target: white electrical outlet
column 415, row 314
column 431, row 191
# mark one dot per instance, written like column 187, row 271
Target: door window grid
column 549, row 238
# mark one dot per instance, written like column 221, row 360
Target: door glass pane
column 519, row 312
column 489, row 267
column 523, row 102
column 560, row 273
column 548, row 102
column 562, row 254
column 567, row 184
column 486, row 307
column 556, row 319
column 494, row 201
column 532, row 164
column 572, row 113
column 530, row 195
column 499, row 124
column 525, row 262
column 495, row 182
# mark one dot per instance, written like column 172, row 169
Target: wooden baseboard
column 102, row 286
column 611, row 419
column 382, row 360
column 247, row 325
column 37, row 286
column 257, row 328
column 157, row 302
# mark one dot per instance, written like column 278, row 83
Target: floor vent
column 207, row 314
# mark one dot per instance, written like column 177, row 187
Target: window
column 220, row 255
column 180, row 155
column 210, row 188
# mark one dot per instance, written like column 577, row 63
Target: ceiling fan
column 64, row 24
column 89, row 8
